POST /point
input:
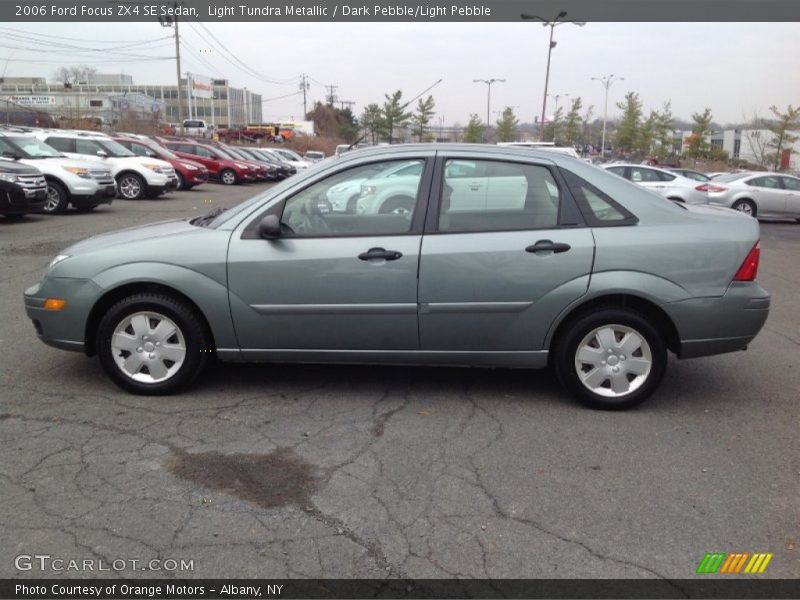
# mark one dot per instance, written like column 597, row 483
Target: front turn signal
column 54, row 304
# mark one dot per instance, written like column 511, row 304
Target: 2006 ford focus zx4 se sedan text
column 441, row 255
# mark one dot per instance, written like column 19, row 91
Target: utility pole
column 304, row 87
column 347, row 103
column 331, row 97
column 169, row 21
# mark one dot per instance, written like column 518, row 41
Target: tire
column 131, row 186
column 591, row 380
column 748, row 207
column 397, row 205
column 352, row 204
column 181, row 182
column 169, row 360
column 57, row 198
column 228, row 177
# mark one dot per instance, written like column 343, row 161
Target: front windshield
column 115, row 149
column 32, row 148
column 162, row 151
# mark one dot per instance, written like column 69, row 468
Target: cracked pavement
column 399, row 472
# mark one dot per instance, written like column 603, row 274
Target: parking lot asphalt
column 364, row 471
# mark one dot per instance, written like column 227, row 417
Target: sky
column 736, row 69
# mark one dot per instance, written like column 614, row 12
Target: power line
column 49, row 36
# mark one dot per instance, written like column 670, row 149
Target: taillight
column 710, row 187
column 749, row 268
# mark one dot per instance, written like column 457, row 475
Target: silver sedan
column 758, row 194
column 500, row 258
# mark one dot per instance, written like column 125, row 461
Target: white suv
column 83, row 183
column 137, row 177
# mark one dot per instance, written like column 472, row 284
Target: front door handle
column 548, row 246
column 375, row 253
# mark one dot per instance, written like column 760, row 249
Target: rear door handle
column 380, row 253
column 548, row 246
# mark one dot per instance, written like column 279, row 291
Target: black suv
column 22, row 189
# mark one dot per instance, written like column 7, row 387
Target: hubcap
column 745, row 208
column 53, row 198
column 228, row 177
column 129, row 187
column 613, row 361
column 148, row 347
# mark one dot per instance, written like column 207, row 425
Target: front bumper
column 22, row 201
column 721, row 324
column 157, row 190
column 66, row 328
column 104, row 195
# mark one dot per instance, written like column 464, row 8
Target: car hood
column 129, row 235
column 10, row 166
column 44, row 163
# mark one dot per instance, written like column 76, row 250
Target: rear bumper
column 722, row 324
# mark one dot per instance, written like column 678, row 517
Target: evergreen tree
column 570, row 133
column 473, row 132
column 627, row 134
column 394, row 113
column 780, row 128
column 506, row 130
column 422, row 118
column 697, row 145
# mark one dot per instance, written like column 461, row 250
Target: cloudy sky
column 736, row 69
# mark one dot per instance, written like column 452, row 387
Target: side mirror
column 270, row 227
column 102, row 153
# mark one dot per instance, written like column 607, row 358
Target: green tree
column 646, row 135
column 422, row 118
column 394, row 113
column 506, row 130
column 473, row 132
column 570, row 133
column 628, row 135
column 780, row 128
column 697, row 145
column 662, row 131
column 372, row 122
column 551, row 128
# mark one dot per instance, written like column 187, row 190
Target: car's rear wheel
column 57, row 198
column 228, row 177
column 152, row 344
column 131, row 186
column 611, row 359
column 397, row 206
column 748, row 207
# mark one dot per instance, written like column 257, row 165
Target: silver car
column 672, row 186
column 506, row 258
column 758, row 194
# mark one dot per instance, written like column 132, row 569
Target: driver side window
column 374, row 199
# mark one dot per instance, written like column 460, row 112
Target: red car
column 220, row 165
column 190, row 172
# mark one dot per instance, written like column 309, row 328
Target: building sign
column 200, row 86
column 33, row 100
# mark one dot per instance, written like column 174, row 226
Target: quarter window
column 598, row 208
column 791, row 184
column 497, row 196
column 767, row 182
column 365, row 200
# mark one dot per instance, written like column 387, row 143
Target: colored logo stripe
column 722, row 562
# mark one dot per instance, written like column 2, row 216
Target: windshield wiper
column 208, row 217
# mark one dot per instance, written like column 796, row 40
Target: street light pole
column 552, row 25
column 488, row 83
column 606, row 81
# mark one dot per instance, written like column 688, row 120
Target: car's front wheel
column 57, row 198
column 228, row 177
column 152, row 344
column 611, row 359
column 131, row 186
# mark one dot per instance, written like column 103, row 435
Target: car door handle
column 375, row 253
column 548, row 246
column 475, row 187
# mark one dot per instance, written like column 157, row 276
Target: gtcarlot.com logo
column 734, row 563
column 46, row 562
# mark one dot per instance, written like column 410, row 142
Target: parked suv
column 83, row 183
column 189, row 172
column 136, row 177
column 220, row 166
column 22, row 189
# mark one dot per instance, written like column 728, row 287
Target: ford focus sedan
column 501, row 258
